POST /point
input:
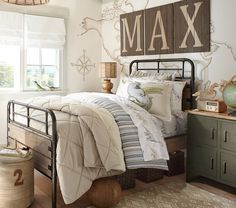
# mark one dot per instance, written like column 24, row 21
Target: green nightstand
column 211, row 147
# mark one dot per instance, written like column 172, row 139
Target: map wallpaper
column 219, row 63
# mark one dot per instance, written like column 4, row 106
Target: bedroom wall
column 78, row 47
column 219, row 63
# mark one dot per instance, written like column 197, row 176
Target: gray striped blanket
column 129, row 137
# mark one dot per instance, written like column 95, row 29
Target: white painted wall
column 77, row 43
column 75, row 11
column 218, row 64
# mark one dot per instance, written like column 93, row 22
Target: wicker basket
column 149, row 174
column 176, row 163
column 17, row 182
column 127, row 179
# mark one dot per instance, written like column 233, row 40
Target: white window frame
column 60, row 64
column 17, row 82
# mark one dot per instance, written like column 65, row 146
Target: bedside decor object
column 207, row 94
column 17, row 181
column 217, row 106
column 107, row 70
column 27, row 2
column 207, row 100
column 228, row 89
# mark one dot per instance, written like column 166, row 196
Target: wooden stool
column 16, row 182
column 104, row 193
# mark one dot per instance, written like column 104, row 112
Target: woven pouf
column 16, row 182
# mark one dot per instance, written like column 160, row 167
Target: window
column 31, row 50
column 9, row 66
column 43, row 66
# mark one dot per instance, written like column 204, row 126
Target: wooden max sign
column 180, row 27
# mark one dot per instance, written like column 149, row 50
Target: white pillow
column 152, row 75
column 122, row 87
column 139, row 76
column 176, row 95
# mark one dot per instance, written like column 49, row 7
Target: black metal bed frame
column 51, row 137
column 157, row 66
column 50, row 118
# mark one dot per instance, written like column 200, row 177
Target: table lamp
column 107, row 70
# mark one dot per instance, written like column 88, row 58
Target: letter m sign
column 132, row 33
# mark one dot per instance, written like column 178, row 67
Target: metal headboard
column 158, row 65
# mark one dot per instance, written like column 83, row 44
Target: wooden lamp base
column 107, row 86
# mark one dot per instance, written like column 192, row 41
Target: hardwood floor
column 43, row 190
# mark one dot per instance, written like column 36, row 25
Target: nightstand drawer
column 203, row 161
column 203, row 130
column 228, row 168
column 228, row 135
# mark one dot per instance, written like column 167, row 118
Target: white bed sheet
column 177, row 125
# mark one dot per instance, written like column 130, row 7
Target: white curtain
column 44, row 31
column 11, row 27
column 37, row 31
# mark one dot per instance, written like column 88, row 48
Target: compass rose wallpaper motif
column 83, row 65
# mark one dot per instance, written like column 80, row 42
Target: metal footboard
column 41, row 143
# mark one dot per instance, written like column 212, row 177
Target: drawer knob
column 225, row 136
column 212, row 133
column 225, row 167
column 212, row 163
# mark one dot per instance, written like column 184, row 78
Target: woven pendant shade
column 27, row 2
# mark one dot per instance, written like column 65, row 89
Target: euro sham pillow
column 154, row 97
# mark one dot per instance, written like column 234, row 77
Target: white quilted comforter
column 89, row 145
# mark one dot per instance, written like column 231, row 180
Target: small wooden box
column 17, row 182
column 175, row 163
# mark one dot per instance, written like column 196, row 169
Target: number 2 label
column 19, row 181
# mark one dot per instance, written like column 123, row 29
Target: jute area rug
column 175, row 195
